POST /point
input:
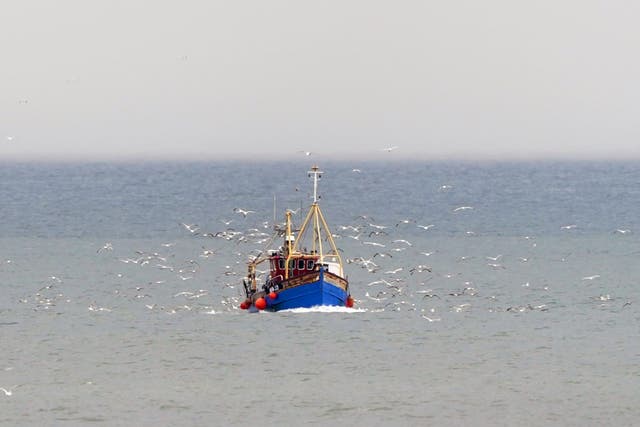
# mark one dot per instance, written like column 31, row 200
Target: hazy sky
column 260, row 79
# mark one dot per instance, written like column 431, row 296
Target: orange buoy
column 244, row 305
column 349, row 302
column 261, row 303
column 273, row 295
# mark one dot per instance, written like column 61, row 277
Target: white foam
column 325, row 309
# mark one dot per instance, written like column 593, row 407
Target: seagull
column 595, row 276
column 192, row 228
column 183, row 293
column 306, row 153
column 461, row 307
column 568, row 227
column 95, row 307
column 496, row 266
column 390, row 149
column 379, row 227
column 420, row 268
column 107, row 247
column 366, row 294
column 565, row 257
column 356, row 170
column 436, row 319
column 243, row 212
column 622, row 231
column 406, row 242
column 9, row 138
column 426, row 227
column 378, row 282
column 494, row 258
column 462, row 208
column 382, row 254
column 8, row 392
column 206, row 253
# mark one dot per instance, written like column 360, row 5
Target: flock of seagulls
column 209, row 279
column 390, row 264
column 175, row 284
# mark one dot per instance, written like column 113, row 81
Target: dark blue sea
column 487, row 294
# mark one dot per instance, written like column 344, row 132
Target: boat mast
column 317, row 239
column 317, row 174
column 315, row 220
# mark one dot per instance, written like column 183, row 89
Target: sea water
column 486, row 294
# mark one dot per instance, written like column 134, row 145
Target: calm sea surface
column 113, row 313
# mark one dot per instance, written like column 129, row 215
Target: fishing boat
column 305, row 271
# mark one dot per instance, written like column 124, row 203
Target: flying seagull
column 192, row 228
column 8, row 392
column 463, row 208
column 107, row 247
column 243, row 212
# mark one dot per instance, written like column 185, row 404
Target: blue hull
column 308, row 295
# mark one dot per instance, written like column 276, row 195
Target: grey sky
column 261, row 79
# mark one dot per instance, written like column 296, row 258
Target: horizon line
column 312, row 160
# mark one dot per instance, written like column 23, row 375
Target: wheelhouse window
column 310, row 264
column 281, row 263
column 300, row 264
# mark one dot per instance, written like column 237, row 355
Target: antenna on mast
column 317, row 174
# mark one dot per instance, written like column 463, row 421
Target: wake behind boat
column 306, row 271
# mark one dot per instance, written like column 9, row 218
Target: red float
column 273, row 295
column 349, row 302
column 261, row 303
column 243, row 305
